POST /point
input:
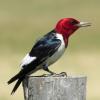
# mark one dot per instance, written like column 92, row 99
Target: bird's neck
column 65, row 37
column 65, row 41
column 62, row 38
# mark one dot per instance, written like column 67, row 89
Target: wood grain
column 54, row 88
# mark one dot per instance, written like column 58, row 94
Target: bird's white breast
column 59, row 52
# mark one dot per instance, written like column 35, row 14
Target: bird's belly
column 55, row 56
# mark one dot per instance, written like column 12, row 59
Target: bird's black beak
column 83, row 24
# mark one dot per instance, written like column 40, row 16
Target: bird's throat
column 66, row 41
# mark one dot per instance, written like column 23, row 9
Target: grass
column 22, row 22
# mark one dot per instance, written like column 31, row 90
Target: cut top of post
column 55, row 88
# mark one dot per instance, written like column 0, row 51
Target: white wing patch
column 27, row 59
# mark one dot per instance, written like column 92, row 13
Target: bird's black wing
column 45, row 48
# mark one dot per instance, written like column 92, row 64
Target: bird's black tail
column 17, row 84
column 14, row 78
column 19, row 77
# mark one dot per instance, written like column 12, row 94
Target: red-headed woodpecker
column 48, row 49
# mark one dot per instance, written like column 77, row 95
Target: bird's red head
column 67, row 26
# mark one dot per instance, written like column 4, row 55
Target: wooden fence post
column 54, row 88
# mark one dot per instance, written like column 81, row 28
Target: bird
column 47, row 50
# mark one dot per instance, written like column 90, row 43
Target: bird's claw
column 54, row 75
column 61, row 74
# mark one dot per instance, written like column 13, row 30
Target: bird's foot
column 60, row 74
column 63, row 74
column 45, row 75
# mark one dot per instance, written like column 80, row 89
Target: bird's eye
column 73, row 22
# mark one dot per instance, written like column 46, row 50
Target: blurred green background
column 24, row 21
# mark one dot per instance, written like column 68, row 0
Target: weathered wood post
column 54, row 88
